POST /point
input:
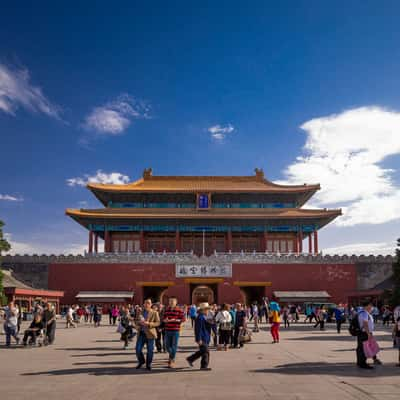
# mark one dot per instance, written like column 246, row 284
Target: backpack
column 354, row 327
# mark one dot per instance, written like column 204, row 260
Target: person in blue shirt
column 339, row 317
column 193, row 313
column 202, row 333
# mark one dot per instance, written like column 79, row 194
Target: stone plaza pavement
column 89, row 363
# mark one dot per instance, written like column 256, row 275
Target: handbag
column 225, row 326
column 244, row 336
column 371, row 347
column 120, row 329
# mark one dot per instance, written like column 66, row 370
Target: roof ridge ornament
column 259, row 174
column 147, row 173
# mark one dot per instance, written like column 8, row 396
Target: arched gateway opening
column 203, row 294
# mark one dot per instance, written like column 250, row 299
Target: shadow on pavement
column 110, row 371
column 322, row 368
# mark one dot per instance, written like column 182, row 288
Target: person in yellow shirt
column 275, row 320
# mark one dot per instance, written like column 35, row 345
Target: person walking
column 275, row 321
column 11, row 323
column 193, row 313
column 125, row 327
column 255, row 316
column 70, row 318
column 240, row 324
column 173, row 317
column 339, row 317
column 49, row 322
column 224, row 321
column 115, row 314
column 366, row 329
column 396, row 337
column 202, row 332
column 285, row 315
column 146, row 323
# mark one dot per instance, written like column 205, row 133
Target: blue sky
column 307, row 91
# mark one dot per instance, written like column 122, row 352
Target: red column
column 106, row 241
column 142, row 241
column 316, row 242
column 177, row 241
column 296, row 244
column 229, row 240
column 310, row 243
column 300, row 239
column 263, row 242
column 90, row 242
column 96, row 243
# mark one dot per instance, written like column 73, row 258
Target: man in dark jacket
column 202, row 332
column 240, row 323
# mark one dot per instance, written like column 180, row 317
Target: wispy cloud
column 114, row 117
column 219, row 132
column 16, row 91
column 7, row 197
column 24, row 247
column 375, row 248
column 100, row 177
column 345, row 152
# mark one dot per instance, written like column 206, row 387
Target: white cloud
column 115, row 178
column 344, row 152
column 17, row 91
column 115, row 116
column 7, row 197
column 219, row 132
column 363, row 248
column 18, row 247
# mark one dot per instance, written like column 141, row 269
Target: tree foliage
column 395, row 298
column 4, row 246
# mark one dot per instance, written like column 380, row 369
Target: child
column 396, row 337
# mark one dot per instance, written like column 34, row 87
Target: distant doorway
column 204, row 294
column 155, row 293
column 252, row 294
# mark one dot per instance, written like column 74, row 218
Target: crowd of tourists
column 158, row 327
column 41, row 330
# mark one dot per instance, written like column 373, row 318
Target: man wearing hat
column 202, row 332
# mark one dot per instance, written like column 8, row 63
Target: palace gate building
column 202, row 238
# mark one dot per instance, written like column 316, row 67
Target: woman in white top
column 224, row 321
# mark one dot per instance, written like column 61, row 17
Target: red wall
column 337, row 279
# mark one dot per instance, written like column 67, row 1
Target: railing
column 165, row 257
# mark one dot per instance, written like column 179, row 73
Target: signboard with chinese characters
column 203, row 271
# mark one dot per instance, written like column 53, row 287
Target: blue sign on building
column 203, row 201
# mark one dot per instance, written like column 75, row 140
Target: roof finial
column 259, row 173
column 147, row 173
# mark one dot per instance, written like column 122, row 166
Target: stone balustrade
column 173, row 258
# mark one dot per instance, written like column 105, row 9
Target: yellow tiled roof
column 151, row 183
column 224, row 213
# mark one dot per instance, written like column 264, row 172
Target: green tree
column 395, row 298
column 4, row 246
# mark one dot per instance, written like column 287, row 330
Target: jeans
column 171, row 343
column 204, row 353
column 10, row 331
column 141, row 341
column 236, row 337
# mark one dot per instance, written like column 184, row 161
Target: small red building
column 25, row 296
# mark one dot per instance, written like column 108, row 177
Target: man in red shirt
column 173, row 318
